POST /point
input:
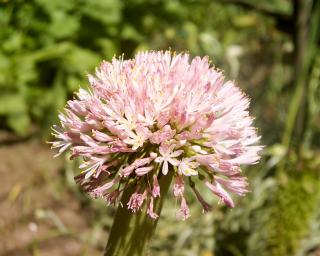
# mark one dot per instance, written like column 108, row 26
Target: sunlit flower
column 184, row 212
column 187, row 167
column 155, row 115
column 136, row 201
column 168, row 156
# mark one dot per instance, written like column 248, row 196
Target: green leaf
column 63, row 25
column 108, row 12
column 81, row 60
column 12, row 104
column 109, row 48
column 20, row 123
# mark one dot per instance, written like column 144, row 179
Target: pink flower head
column 168, row 156
column 178, row 186
column 184, row 212
column 136, row 201
column 150, row 210
column 223, row 195
column 156, row 187
column 156, row 114
column 112, row 197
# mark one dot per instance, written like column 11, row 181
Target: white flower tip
column 153, row 154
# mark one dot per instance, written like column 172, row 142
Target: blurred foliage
column 280, row 226
column 48, row 47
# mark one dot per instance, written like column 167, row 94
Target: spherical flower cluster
column 159, row 113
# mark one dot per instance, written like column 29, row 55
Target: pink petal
column 217, row 189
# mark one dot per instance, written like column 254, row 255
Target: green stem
column 296, row 116
column 131, row 233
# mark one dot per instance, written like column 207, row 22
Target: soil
column 38, row 214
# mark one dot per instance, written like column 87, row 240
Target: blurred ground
column 38, row 215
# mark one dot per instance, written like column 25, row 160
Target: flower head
column 158, row 113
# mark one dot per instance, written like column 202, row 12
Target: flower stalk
column 131, row 234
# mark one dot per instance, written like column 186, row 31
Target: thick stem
column 131, row 233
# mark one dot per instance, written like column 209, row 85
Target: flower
column 178, row 186
column 188, row 167
column 156, row 187
column 168, row 156
column 158, row 113
column 150, row 210
column 184, row 212
column 136, row 201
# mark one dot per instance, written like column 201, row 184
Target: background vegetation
column 270, row 47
